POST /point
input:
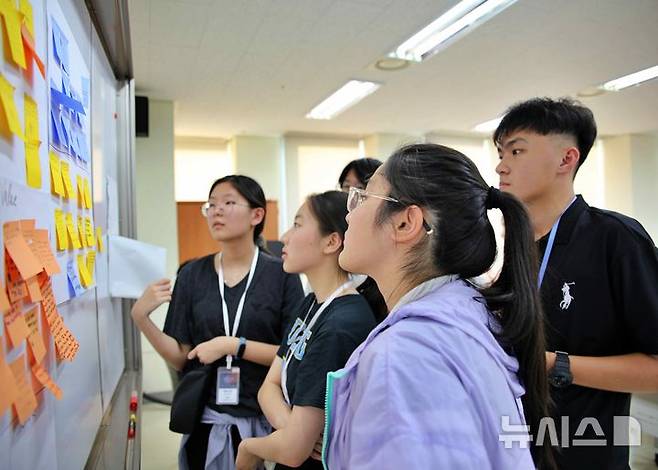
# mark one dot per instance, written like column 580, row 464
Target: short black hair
column 363, row 167
column 551, row 116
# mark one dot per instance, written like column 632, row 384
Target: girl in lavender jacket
column 452, row 376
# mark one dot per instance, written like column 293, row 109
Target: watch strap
column 242, row 345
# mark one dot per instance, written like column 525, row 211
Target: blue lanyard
column 549, row 246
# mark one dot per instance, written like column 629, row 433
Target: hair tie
column 494, row 198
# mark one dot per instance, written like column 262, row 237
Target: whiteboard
column 60, row 433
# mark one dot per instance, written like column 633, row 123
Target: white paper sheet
column 133, row 266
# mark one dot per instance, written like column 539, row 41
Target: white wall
column 156, row 217
column 198, row 163
column 313, row 164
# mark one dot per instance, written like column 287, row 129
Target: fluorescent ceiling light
column 348, row 95
column 632, row 79
column 456, row 22
column 488, row 126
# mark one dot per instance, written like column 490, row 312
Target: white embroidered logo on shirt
column 566, row 295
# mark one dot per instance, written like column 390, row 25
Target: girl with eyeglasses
column 229, row 309
column 330, row 324
column 454, row 369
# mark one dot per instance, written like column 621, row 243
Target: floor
column 160, row 446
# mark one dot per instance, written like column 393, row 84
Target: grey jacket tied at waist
column 220, row 455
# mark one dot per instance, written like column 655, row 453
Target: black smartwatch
column 560, row 375
column 242, row 344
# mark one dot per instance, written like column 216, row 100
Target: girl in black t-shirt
column 330, row 324
column 231, row 310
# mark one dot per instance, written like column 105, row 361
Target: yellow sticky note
column 87, row 191
column 89, row 231
column 60, row 228
column 9, row 106
column 73, row 233
column 56, row 186
column 25, row 7
column 85, row 277
column 32, row 165
column 31, row 119
column 80, row 190
column 66, row 179
column 81, row 231
column 12, row 19
column 99, row 239
column 91, row 260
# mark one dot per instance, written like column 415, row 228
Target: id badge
column 228, row 386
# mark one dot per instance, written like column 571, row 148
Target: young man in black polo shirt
column 598, row 283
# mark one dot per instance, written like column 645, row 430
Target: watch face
column 560, row 379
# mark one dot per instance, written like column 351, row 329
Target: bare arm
column 289, row 446
column 216, row 348
column 629, row 373
column 155, row 295
column 270, row 397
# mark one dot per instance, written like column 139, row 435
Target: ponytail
column 514, row 295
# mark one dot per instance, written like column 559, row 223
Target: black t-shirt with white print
column 195, row 316
column 339, row 330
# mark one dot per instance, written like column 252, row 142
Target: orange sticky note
column 73, row 233
column 41, row 247
column 17, row 290
column 28, row 227
column 11, row 228
column 66, row 179
column 48, row 307
column 13, row 274
column 4, row 299
column 32, row 319
column 37, row 347
column 66, row 344
column 21, row 254
column 42, row 375
column 56, row 186
column 99, row 239
column 27, row 224
column 8, row 389
column 60, row 228
column 26, row 402
column 31, row 51
column 15, row 326
column 12, row 19
column 9, row 107
column 33, row 289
